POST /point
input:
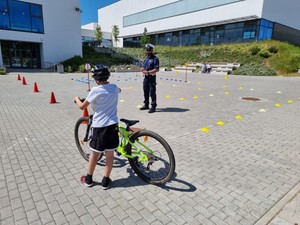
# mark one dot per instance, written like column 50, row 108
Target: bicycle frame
column 125, row 134
column 125, row 139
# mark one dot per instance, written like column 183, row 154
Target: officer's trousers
column 149, row 87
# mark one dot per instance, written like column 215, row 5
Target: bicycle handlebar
column 81, row 99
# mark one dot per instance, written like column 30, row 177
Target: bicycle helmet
column 100, row 73
column 149, row 46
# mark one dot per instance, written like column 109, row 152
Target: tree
column 99, row 34
column 145, row 38
column 115, row 34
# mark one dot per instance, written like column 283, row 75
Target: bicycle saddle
column 129, row 122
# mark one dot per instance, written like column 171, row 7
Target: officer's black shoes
column 152, row 110
column 144, row 107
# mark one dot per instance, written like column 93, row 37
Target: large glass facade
column 252, row 30
column 21, row 54
column 172, row 9
column 21, row 16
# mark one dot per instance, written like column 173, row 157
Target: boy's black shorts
column 104, row 138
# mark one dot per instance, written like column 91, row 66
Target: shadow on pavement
column 133, row 180
column 171, row 109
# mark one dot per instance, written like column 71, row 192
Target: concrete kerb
column 276, row 209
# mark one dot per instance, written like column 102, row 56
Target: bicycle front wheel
column 159, row 164
column 82, row 134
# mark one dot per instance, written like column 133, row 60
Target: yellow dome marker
column 240, row 88
column 168, row 96
column 224, row 86
column 290, row 101
column 181, row 99
column 262, row 110
column 238, row 117
column 199, row 82
column 299, row 98
column 277, row 105
column 220, row 123
column 204, row 129
column 177, row 73
column 122, row 100
column 226, row 93
column 195, row 97
column 226, row 76
column 131, row 87
column 201, row 89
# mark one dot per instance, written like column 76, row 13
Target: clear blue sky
column 90, row 9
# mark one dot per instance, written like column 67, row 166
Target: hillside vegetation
column 267, row 58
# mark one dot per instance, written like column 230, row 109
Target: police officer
column 149, row 70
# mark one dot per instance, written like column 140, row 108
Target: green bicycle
column 149, row 155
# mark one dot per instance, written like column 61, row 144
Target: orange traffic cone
column 35, row 88
column 85, row 114
column 52, row 99
column 19, row 77
column 24, row 81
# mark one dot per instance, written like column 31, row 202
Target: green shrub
column 254, row 69
column 73, row 62
column 2, row 70
column 273, row 49
column 82, row 68
column 69, row 69
column 265, row 53
column 254, row 50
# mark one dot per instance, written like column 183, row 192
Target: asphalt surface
column 237, row 161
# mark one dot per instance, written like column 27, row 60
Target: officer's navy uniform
column 149, row 84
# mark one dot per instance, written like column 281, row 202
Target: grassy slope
column 285, row 61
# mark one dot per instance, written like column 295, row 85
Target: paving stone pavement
column 237, row 161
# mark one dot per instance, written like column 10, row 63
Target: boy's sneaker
column 106, row 182
column 86, row 182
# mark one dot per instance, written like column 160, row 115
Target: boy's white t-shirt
column 104, row 98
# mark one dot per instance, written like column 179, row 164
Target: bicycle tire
column 80, row 133
column 161, row 167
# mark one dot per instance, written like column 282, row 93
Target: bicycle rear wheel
column 160, row 166
column 82, row 134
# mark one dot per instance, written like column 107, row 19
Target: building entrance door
column 21, row 54
column 21, row 58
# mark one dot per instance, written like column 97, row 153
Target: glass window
column 4, row 20
column 37, row 25
column 233, row 35
column 172, row 9
column 234, row 25
column 36, row 10
column 3, row 5
column 20, row 16
column 249, row 32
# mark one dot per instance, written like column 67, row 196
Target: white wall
column 89, row 26
column 113, row 14
column 62, row 37
column 286, row 12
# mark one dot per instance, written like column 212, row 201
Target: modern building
column 38, row 33
column 89, row 38
column 209, row 22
